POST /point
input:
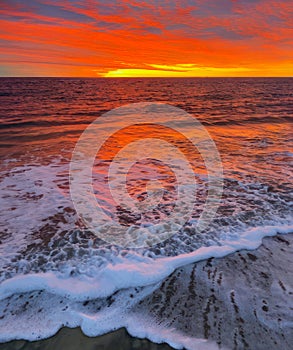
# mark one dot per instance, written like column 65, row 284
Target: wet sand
column 242, row 301
column 74, row 339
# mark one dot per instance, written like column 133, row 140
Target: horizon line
column 144, row 77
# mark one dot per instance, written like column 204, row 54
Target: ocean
column 57, row 269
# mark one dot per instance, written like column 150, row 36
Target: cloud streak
column 97, row 38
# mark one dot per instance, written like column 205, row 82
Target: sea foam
column 60, row 297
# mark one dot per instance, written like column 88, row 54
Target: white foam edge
column 137, row 325
column 158, row 334
column 131, row 273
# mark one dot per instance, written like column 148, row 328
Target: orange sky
column 152, row 38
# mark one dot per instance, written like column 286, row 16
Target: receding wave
column 56, row 272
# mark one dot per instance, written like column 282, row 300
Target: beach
column 74, row 339
column 146, row 175
column 243, row 301
column 113, row 240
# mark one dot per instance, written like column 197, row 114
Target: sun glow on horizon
column 189, row 70
column 146, row 39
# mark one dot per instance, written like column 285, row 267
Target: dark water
column 36, row 110
column 40, row 122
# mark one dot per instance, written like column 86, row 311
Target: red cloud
column 137, row 35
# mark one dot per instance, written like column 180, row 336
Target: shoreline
column 74, row 339
column 241, row 301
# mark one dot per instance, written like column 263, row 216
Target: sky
column 146, row 38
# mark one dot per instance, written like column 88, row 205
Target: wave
column 252, row 120
column 20, row 124
column 107, row 292
column 40, row 123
